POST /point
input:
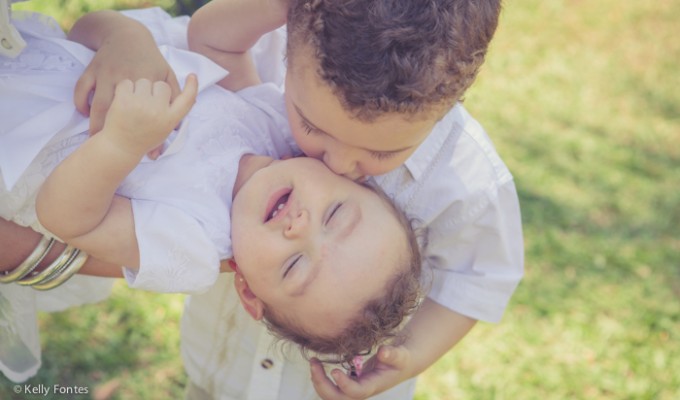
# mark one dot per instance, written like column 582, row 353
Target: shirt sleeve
column 269, row 54
column 269, row 99
column 176, row 255
column 477, row 265
column 166, row 29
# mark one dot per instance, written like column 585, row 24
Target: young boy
column 371, row 89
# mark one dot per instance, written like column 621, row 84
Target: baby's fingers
column 124, row 87
column 351, row 387
column 323, row 385
column 186, row 99
column 81, row 93
column 155, row 153
column 161, row 91
column 101, row 102
column 171, row 79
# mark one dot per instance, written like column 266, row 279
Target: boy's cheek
column 308, row 145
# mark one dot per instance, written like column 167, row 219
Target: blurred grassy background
column 582, row 100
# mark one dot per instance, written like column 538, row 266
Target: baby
column 326, row 262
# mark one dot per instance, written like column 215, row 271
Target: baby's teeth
column 280, row 206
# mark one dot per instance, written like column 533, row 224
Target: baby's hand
column 113, row 62
column 381, row 372
column 142, row 113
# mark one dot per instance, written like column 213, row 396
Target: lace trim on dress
column 40, row 56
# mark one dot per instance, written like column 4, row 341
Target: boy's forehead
column 302, row 59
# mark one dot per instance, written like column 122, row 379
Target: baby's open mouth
column 278, row 205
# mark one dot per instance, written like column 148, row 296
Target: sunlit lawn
column 582, row 99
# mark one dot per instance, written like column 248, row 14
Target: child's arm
column 224, row 31
column 125, row 50
column 17, row 243
column 433, row 331
column 77, row 202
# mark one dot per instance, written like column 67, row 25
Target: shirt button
column 267, row 363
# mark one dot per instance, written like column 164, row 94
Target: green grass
column 66, row 12
column 124, row 348
column 582, row 101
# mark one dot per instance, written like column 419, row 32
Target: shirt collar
column 431, row 146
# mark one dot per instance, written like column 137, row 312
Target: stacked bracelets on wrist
column 59, row 271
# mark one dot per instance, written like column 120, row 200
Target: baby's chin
column 247, row 167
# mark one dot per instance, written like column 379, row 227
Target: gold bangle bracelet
column 59, row 270
column 30, row 263
column 71, row 268
column 56, row 266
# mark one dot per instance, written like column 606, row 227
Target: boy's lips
column 277, row 205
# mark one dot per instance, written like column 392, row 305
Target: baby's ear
column 250, row 302
column 228, row 266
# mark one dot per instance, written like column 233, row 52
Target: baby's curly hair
column 394, row 56
column 380, row 318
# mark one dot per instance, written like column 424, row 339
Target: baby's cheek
column 326, row 250
column 238, row 243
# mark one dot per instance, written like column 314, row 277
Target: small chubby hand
column 143, row 113
column 387, row 368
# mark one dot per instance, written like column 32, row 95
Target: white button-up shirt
column 457, row 186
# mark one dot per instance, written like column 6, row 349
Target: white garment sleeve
column 166, row 29
column 268, row 52
column 176, row 255
column 476, row 270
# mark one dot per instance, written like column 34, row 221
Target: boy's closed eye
column 310, row 129
column 383, row 155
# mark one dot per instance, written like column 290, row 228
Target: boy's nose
column 297, row 225
column 342, row 163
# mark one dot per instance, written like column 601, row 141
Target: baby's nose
column 297, row 225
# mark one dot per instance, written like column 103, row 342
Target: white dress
column 181, row 201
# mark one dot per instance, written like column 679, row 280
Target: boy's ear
column 253, row 305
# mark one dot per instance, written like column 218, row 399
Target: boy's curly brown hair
column 380, row 318
column 394, row 56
